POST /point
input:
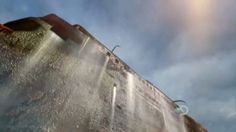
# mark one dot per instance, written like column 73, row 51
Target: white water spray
column 113, row 106
column 130, row 99
column 173, row 121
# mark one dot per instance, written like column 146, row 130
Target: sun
column 199, row 7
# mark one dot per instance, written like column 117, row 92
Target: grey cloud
column 210, row 73
column 216, row 115
column 208, row 85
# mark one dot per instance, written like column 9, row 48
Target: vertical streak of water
column 130, row 93
column 182, row 123
column 43, row 49
column 96, row 105
column 165, row 110
column 102, row 72
column 113, row 107
column 173, row 121
column 130, row 99
column 84, row 43
column 71, row 65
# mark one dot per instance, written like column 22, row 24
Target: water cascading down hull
column 58, row 77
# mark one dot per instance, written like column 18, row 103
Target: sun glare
column 198, row 20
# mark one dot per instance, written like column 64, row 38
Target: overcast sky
column 185, row 47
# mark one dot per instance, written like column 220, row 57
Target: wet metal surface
column 55, row 77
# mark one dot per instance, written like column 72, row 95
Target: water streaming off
column 113, row 106
column 173, row 122
column 52, row 84
column 130, row 99
column 52, row 75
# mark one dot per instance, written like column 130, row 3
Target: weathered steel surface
column 57, row 77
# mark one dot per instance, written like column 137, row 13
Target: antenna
column 176, row 101
column 114, row 48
